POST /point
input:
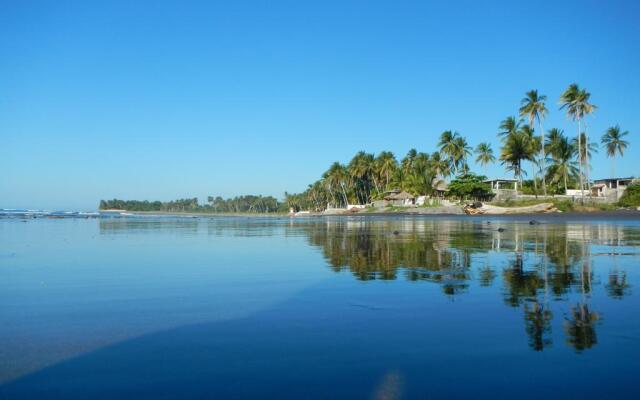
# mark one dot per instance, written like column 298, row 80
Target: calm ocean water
column 357, row 307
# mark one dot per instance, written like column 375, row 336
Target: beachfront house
column 503, row 188
column 611, row 188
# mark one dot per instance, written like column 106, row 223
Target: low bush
column 631, row 196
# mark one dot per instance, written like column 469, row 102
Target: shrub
column 631, row 196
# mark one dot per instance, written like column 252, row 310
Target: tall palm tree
column 509, row 126
column 584, row 152
column 439, row 165
column 361, row 168
column 447, row 145
column 462, row 151
column 613, row 141
column 407, row 161
column 535, row 143
column 562, row 153
column 517, row 147
column 387, row 165
column 485, row 155
column 533, row 107
column 576, row 103
column 337, row 178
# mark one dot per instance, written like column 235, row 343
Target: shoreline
column 439, row 212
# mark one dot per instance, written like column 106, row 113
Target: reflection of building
column 611, row 188
column 503, row 188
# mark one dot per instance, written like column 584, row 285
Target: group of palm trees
column 569, row 158
column 367, row 177
column 556, row 159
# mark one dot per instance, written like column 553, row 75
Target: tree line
column 238, row 204
column 557, row 161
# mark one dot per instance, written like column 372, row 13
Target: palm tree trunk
column 544, row 156
column 586, row 158
column 535, row 181
column 580, row 163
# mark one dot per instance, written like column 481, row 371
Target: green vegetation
column 560, row 204
column 470, row 186
column 631, row 196
column 239, row 204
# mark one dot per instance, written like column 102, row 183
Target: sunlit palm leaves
column 614, row 143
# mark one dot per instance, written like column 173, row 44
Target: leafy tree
column 470, row 186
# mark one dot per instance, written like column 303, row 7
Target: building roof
column 440, row 185
column 400, row 196
column 614, row 179
column 500, row 180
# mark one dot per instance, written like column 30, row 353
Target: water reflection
column 537, row 264
column 543, row 270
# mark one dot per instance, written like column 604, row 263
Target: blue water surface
column 333, row 307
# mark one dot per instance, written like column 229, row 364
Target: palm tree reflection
column 546, row 263
column 580, row 327
column 538, row 326
column 617, row 286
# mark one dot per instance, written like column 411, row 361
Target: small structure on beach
column 503, row 188
column 440, row 188
column 611, row 188
column 395, row 198
column 401, row 199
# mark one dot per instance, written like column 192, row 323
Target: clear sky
column 161, row 100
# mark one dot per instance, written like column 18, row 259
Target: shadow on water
column 317, row 347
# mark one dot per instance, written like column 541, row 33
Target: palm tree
column 336, row 178
column 407, row 161
column 509, row 126
column 535, row 143
column 447, row 145
column 576, row 103
column 387, row 165
column 533, row 106
column 485, row 155
column 614, row 143
column 562, row 153
column 439, row 165
column 584, row 151
column 462, row 150
column 517, row 147
column 361, row 168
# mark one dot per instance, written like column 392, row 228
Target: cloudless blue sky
column 169, row 99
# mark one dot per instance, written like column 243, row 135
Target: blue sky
column 161, row 100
